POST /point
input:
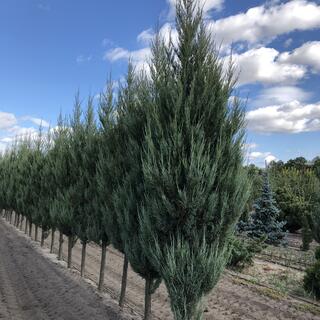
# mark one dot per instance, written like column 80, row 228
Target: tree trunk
column 36, row 233
column 52, row 240
column 60, row 246
column 10, row 219
column 21, row 222
column 102, row 266
column 30, row 229
column 18, row 220
column 26, row 227
column 83, row 258
column 70, row 246
column 147, row 299
column 124, row 281
column 42, row 237
column 15, row 219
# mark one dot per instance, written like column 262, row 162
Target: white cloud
column 268, row 159
column 288, row 42
column 145, row 36
column 261, row 157
column 292, row 117
column 308, row 54
column 7, row 120
column 44, row 6
column 264, row 23
column 251, row 146
column 262, row 65
column 138, row 57
column 37, row 121
column 280, row 95
column 82, row 59
column 18, row 131
column 107, row 42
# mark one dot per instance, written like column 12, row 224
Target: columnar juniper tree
column 110, row 170
column 129, row 192
column 35, row 183
column 265, row 218
column 84, row 154
column 47, row 189
column 66, row 204
column 195, row 185
column 24, row 168
column 60, row 166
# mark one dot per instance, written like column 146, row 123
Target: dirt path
column 231, row 300
column 32, row 287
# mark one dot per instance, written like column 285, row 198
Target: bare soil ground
column 231, row 299
column 34, row 288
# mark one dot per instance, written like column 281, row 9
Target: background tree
column 195, row 184
column 296, row 191
column 265, row 218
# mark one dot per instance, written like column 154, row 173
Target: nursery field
column 35, row 286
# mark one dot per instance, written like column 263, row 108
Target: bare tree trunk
column 36, row 233
column 18, row 220
column 30, row 229
column 21, row 222
column 83, row 258
column 15, row 219
column 11, row 216
column 52, row 240
column 124, row 281
column 147, row 299
column 102, row 266
column 42, row 237
column 26, row 227
column 60, row 246
column 70, row 246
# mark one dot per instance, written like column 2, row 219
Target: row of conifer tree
column 159, row 174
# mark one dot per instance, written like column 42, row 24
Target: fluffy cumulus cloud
column 264, row 23
column 263, row 65
column 12, row 127
column 291, row 117
column 308, row 54
column 261, row 157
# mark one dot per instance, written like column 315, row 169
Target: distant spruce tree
column 195, row 184
column 264, row 221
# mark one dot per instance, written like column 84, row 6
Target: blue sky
column 51, row 48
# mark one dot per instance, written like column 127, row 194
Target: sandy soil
column 230, row 299
column 34, row 288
